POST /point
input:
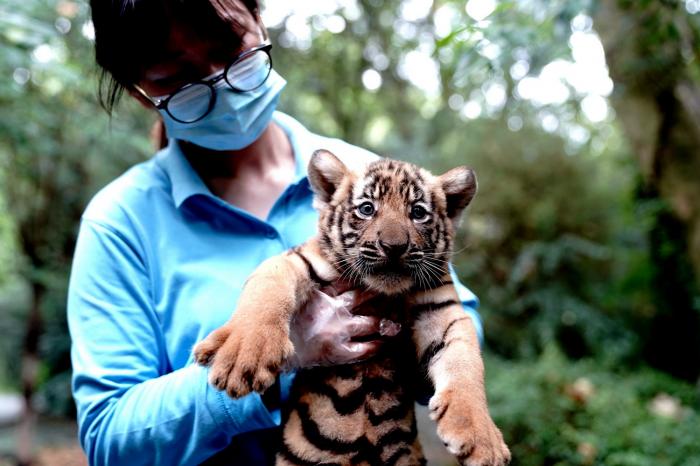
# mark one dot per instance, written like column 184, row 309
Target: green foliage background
column 559, row 245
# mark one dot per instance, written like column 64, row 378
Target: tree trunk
column 658, row 106
column 30, row 372
column 657, row 101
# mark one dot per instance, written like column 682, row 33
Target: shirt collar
column 186, row 183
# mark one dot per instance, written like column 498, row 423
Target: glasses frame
column 161, row 103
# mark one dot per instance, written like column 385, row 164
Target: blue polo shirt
column 159, row 263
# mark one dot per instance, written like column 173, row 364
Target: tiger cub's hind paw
column 468, row 433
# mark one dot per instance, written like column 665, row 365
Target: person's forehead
column 174, row 53
column 185, row 47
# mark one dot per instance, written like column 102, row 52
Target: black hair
column 130, row 35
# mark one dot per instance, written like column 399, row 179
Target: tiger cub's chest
column 365, row 399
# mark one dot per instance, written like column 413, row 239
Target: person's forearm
column 175, row 419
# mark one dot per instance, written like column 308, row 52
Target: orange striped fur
column 388, row 228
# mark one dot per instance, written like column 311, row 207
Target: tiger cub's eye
column 419, row 213
column 366, row 209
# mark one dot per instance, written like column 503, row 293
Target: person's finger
column 358, row 351
column 359, row 326
column 341, row 286
column 389, row 328
column 333, row 290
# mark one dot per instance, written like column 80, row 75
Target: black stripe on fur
column 316, row 438
column 289, row 455
column 396, row 456
column 428, row 355
column 352, row 401
column 310, row 268
column 420, row 309
column 449, row 326
column 397, row 435
column 392, row 414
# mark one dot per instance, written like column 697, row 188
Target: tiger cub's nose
column 393, row 250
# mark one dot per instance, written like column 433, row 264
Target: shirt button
column 270, row 233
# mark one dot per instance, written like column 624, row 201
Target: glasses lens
column 191, row 103
column 250, row 72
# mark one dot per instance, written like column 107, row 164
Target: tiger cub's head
column 388, row 227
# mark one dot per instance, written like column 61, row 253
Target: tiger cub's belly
column 359, row 414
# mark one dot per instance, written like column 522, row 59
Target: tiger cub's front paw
column 467, row 431
column 206, row 349
column 243, row 358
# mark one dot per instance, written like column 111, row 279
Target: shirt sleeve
column 132, row 408
column 470, row 303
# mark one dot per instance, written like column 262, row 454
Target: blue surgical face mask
column 237, row 119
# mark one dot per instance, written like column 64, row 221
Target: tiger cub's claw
column 467, row 432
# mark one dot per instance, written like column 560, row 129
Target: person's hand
column 326, row 331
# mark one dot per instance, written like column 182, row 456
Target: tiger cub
column 389, row 229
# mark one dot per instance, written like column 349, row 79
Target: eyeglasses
column 193, row 101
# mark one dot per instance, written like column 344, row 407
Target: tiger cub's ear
column 459, row 186
column 326, row 172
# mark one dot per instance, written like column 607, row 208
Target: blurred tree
column 7, row 239
column 555, row 412
column 562, row 260
column 545, row 249
column 51, row 165
column 558, row 244
column 653, row 50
